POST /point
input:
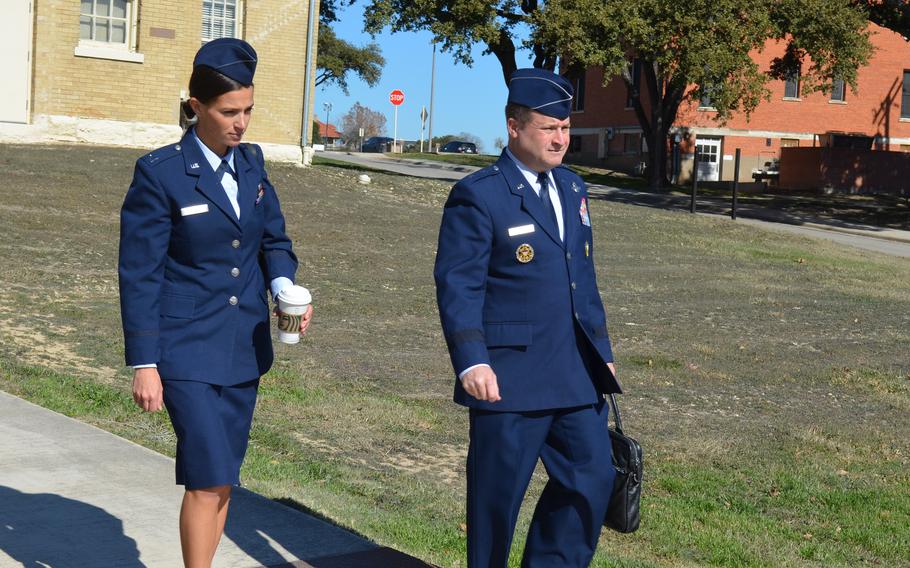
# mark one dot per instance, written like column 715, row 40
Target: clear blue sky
column 466, row 99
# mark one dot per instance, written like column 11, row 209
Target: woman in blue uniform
column 202, row 236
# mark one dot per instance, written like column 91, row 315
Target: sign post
column 396, row 97
column 423, row 123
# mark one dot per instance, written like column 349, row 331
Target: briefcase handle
column 617, row 419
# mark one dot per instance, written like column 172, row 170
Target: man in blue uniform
column 527, row 335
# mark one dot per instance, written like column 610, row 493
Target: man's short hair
column 520, row 113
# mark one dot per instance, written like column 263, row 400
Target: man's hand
column 147, row 391
column 480, row 382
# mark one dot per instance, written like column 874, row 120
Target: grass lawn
column 767, row 376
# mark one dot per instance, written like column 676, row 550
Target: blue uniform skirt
column 212, row 423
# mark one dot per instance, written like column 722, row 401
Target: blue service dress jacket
column 513, row 295
column 192, row 276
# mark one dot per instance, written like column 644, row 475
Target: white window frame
column 238, row 19
column 110, row 50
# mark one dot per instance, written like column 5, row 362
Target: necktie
column 225, row 168
column 544, row 181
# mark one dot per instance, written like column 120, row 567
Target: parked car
column 459, row 147
column 377, row 144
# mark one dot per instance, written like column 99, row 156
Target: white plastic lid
column 295, row 295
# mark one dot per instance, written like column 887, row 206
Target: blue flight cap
column 231, row 57
column 541, row 90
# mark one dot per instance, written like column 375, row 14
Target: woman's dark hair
column 206, row 85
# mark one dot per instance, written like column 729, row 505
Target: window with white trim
column 108, row 30
column 107, row 22
column 220, row 18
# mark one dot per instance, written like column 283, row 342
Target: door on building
column 708, row 159
column 15, row 59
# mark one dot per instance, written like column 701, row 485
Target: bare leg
column 202, row 518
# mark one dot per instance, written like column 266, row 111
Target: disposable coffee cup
column 293, row 302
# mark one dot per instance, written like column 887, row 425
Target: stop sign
column 396, row 97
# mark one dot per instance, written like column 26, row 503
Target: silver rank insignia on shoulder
column 194, row 166
column 524, row 253
column 575, row 187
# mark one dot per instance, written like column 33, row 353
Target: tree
column 459, row 24
column 372, row 122
column 703, row 47
column 891, row 14
column 499, row 143
column 336, row 58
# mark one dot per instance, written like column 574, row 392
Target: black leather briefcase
column 624, row 514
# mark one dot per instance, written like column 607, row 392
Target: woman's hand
column 147, row 390
column 304, row 319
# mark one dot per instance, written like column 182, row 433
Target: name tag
column 521, row 230
column 194, row 209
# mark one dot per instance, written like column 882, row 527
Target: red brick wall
column 841, row 169
column 874, row 110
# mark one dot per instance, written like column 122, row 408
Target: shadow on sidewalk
column 43, row 529
column 321, row 542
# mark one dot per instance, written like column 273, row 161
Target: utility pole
column 432, row 86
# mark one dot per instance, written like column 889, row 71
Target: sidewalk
column 75, row 496
column 704, row 204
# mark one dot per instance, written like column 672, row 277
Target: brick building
column 115, row 71
column 605, row 130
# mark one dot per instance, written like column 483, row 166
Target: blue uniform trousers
column 574, row 445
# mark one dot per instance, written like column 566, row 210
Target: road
column 887, row 241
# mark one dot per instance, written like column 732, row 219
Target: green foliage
column 707, row 44
column 458, row 25
column 336, row 58
column 891, row 14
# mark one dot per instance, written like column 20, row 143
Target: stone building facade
column 115, row 71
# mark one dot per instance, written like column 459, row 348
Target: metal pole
column 395, row 137
column 432, row 86
column 694, row 180
column 328, row 109
column 305, row 126
column 735, row 183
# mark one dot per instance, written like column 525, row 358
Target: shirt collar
column 529, row 174
column 211, row 157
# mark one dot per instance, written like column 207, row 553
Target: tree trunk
column 504, row 50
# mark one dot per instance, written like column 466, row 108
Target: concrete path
column 887, row 241
column 75, row 496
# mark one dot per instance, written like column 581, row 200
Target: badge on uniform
column 194, row 209
column 524, row 253
column 583, row 212
column 587, row 249
column 521, row 230
column 575, row 187
column 259, row 194
column 194, row 166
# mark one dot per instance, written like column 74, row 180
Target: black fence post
column 694, row 180
column 735, row 183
